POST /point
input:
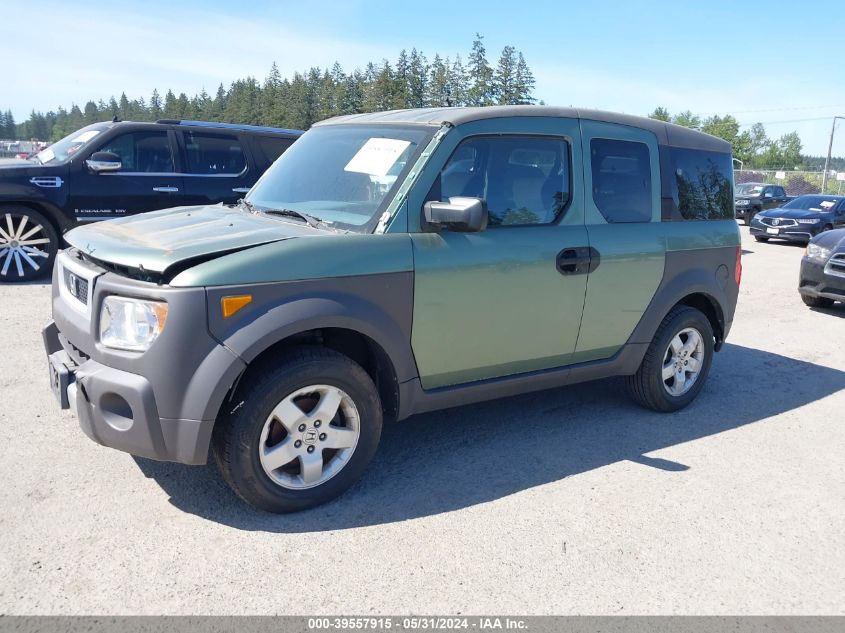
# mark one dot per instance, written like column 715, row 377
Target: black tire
column 237, row 436
column 817, row 302
column 647, row 387
column 761, row 238
column 32, row 259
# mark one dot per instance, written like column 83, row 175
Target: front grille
column 836, row 265
column 779, row 222
column 76, row 286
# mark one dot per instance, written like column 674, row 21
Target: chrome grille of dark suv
column 76, row 286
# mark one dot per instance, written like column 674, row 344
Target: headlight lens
column 809, row 221
column 131, row 324
column 819, row 253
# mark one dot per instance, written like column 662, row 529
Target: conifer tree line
column 411, row 81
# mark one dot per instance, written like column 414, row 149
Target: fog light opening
column 116, row 411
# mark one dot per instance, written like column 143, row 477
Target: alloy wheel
column 24, row 246
column 683, row 361
column 309, row 437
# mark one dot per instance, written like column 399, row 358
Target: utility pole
column 829, row 150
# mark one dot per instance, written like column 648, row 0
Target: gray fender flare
column 688, row 280
column 336, row 310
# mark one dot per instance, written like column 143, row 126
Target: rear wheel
column 677, row 362
column 28, row 244
column 760, row 238
column 816, row 302
column 302, row 431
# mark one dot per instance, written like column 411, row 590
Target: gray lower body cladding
column 163, row 403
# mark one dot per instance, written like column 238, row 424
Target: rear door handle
column 241, row 189
column 577, row 260
column 166, row 189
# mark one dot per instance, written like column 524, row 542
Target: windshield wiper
column 310, row 220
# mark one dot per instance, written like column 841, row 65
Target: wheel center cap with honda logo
column 310, row 436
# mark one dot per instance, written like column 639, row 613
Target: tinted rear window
column 702, row 186
column 273, row 146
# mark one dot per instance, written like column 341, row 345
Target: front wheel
column 749, row 215
column 300, row 432
column 760, row 238
column 28, row 244
column 816, row 302
column 676, row 363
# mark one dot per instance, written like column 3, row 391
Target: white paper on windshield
column 86, row 136
column 826, row 204
column 377, row 156
column 46, row 155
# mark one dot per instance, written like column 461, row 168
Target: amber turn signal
column 230, row 305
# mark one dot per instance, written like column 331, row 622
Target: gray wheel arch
column 376, row 308
column 316, row 313
column 702, row 279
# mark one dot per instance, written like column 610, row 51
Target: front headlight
column 131, row 324
column 809, row 221
column 818, row 253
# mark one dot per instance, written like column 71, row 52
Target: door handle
column 577, row 260
column 241, row 189
column 166, row 189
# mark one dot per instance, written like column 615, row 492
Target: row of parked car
column 813, row 219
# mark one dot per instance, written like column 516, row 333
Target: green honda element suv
column 395, row 263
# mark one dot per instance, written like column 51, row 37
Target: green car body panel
column 448, row 316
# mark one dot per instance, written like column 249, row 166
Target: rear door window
column 214, row 154
column 621, row 180
column 271, row 147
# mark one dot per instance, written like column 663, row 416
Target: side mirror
column 467, row 215
column 103, row 161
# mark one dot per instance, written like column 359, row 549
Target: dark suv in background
column 115, row 169
column 753, row 197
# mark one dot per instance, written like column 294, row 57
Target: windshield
column 812, row 203
column 749, row 190
column 60, row 151
column 341, row 174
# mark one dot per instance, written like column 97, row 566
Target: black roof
column 667, row 133
column 233, row 126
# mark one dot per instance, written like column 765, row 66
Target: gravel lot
column 567, row 501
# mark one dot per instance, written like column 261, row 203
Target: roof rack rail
column 231, row 126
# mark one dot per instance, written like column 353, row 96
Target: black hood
column 834, row 240
column 794, row 214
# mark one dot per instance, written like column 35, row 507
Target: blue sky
column 761, row 61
